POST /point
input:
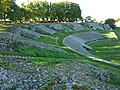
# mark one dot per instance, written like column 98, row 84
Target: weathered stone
column 18, row 40
column 75, row 26
column 63, row 75
column 94, row 26
column 106, row 27
column 76, row 42
column 78, row 27
column 42, row 28
column 27, row 33
column 56, row 27
column 105, row 77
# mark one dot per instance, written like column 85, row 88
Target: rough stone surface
column 77, row 27
column 27, row 33
column 23, row 75
column 14, row 39
column 42, row 28
column 56, row 27
column 106, row 27
column 4, row 46
column 76, row 42
column 94, row 26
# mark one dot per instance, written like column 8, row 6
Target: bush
column 110, row 22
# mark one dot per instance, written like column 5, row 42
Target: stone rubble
column 94, row 26
column 56, row 27
column 76, row 27
column 4, row 46
column 27, row 33
column 14, row 39
column 42, row 29
column 23, row 75
column 68, row 27
column 106, row 27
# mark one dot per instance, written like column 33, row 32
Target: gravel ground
column 20, row 74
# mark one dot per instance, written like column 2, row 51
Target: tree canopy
column 110, row 22
column 40, row 11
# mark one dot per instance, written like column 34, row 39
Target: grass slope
column 107, row 50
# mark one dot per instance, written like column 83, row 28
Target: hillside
column 59, row 56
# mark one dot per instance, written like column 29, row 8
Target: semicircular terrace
column 76, row 42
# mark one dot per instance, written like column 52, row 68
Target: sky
column 97, row 9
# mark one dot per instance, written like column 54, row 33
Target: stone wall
column 76, row 42
column 94, row 26
column 42, row 29
column 18, row 40
column 27, row 33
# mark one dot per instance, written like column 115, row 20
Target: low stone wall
column 42, row 28
column 15, row 56
column 51, row 28
column 56, row 27
column 76, row 42
column 14, row 39
column 26, row 33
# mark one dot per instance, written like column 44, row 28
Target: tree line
column 40, row 11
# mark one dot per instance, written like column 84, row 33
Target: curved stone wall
column 76, row 42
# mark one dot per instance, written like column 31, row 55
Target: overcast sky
column 97, row 9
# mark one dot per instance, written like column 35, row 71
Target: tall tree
column 4, row 7
column 14, row 13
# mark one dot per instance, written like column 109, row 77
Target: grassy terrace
column 109, row 50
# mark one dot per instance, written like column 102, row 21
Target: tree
column 110, row 22
column 4, row 7
column 14, row 13
column 72, row 12
column 66, row 11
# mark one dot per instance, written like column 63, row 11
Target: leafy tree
column 40, row 11
column 74, row 12
column 14, row 13
column 4, row 7
column 110, row 22
column 66, row 11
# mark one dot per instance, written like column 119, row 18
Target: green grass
column 62, row 34
column 35, row 52
column 47, row 39
column 3, row 27
column 47, row 61
column 109, row 50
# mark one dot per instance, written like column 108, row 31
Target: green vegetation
column 39, row 11
column 47, row 61
column 44, row 11
column 110, row 22
column 48, row 39
column 2, row 27
column 108, row 50
column 114, row 78
column 35, row 52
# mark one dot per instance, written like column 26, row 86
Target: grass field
column 108, row 50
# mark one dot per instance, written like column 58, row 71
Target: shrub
column 110, row 22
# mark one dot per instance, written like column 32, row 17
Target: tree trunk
column 4, row 17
